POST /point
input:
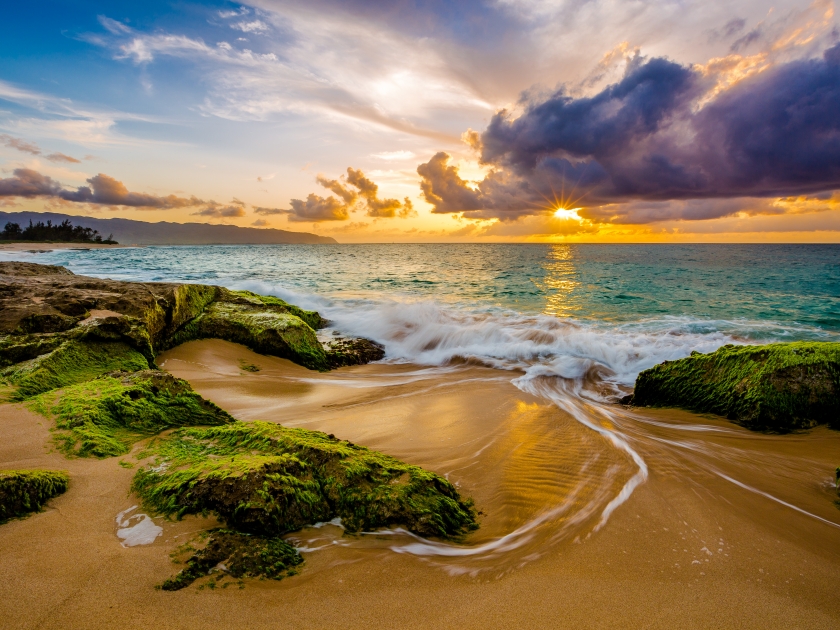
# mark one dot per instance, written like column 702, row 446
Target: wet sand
column 696, row 544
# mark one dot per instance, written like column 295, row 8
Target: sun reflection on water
column 560, row 283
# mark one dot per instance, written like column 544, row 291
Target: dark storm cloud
column 103, row 190
column 652, row 137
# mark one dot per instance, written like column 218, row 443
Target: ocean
column 545, row 309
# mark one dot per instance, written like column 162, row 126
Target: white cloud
column 225, row 15
column 254, row 26
column 112, row 26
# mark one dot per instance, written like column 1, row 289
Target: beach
column 688, row 548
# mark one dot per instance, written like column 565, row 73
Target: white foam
column 427, row 332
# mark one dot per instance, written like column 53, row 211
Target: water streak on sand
column 136, row 529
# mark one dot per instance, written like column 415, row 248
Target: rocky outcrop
column 777, row 387
column 267, row 480
column 82, row 352
column 103, row 417
column 25, row 491
column 43, row 307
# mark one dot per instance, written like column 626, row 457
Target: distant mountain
column 130, row 232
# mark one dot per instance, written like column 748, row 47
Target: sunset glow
column 358, row 126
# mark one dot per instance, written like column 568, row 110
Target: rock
column 25, row 491
column 237, row 555
column 264, row 479
column 42, row 307
column 342, row 352
column 25, row 269
column 271, row 303
column 262, row 330
column 104, row 416
column 778, row 387
column 72, row 362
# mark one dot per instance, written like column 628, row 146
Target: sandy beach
column 705, row 541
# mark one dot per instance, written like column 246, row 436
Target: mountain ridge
column 134, row 232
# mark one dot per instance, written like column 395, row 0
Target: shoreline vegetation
column 81, row 351
column 64, row 232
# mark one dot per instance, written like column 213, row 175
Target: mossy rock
column 265, row 479
column 312, row 318
column 342, row 352
column 72, row 362
column 264, row 331
column 777, row 387
column 17, row 348
column 105, row 416
column 25, row 491
column 236, row 555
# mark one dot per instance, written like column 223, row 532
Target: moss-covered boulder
column 234, row 554
column 778, row 387
column 263, row 330
column 105, row 416
column 43, row 307
column 267, row 480
column 312, row 318
column 25, row 491
column 72, row 362
column 342, row 352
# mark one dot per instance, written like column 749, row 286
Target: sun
column 567, row 213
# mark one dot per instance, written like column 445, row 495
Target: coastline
column 775, row 568
column 46, row 247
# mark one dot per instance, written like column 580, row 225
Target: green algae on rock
column 70, row 363
column 265, row 479
column 237, row 555
column 778, row 387
column 262, row 330
column 25, row 491
column 103, row 417
column 342, row 352
column 312, row 318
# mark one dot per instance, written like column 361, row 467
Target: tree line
column 64, row 232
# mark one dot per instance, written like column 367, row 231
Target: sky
column 430, row 121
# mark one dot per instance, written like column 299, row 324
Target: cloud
column 226, row 15
column 112, row 26
column 254, row 26
column 102, row 190
column 33, row 149
column 260, row 223
column 61, row 157
column 21, row 145
column 656, row 135
column 357, row 191
column 353, row 192
column 317, row 208
column 221, row 212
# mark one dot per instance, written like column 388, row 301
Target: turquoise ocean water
column 553, row 309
